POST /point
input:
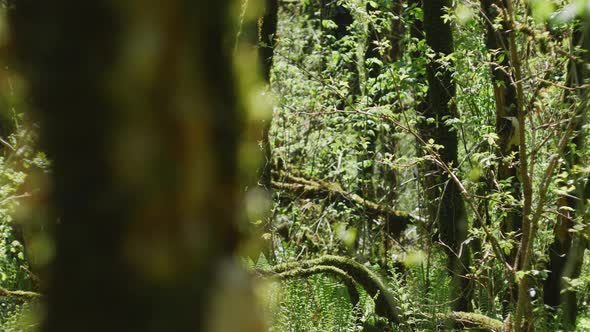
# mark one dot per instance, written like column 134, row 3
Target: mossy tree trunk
column 330, row 10
column 267, row 38
column 444, row 197
column 266, row 44
column 139, row 114
column 267, row 27
column 339, row 13
column 566, row 253
column 380, row 180
column 505, row 96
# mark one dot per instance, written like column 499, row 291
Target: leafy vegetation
column 425, row 168
column 353, row 127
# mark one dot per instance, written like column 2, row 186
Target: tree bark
column 266, row 44
column 566, row 253
column 505, row 96
column 506, row 100
column 140, row 116
column 446, row 203
column 380, row 181
column 267, row 36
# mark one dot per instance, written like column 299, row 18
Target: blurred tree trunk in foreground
column 140, row 116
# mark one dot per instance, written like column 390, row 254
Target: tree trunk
column 266, row 44
column 140, row 116
column 567, row 251
column 505, row 96
column 267, row 39
column 381, row 180
column 447, row 205
column 267, row 36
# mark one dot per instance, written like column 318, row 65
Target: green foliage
column 23, row 318
column 19, row 160
column 350, row 104
column 347, row 113
column 315, row 304
column 13, row 260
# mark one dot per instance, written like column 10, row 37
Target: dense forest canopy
column 294, row 165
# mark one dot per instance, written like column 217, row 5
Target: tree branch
column 315, row 188
column 477, row 321
column 353, row 273
column 26, row 295
column 319, row 269
column 385, row 304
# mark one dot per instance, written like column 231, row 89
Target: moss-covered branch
column 353, row 273
column 346, row 279
column 25, row 295
column 314, row 188
column 385, row 304
column 475, row 321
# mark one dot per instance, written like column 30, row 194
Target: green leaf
column 329, row 24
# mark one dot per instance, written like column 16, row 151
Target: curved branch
column 348, row 281
column 352, row 273
column 385, row 303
